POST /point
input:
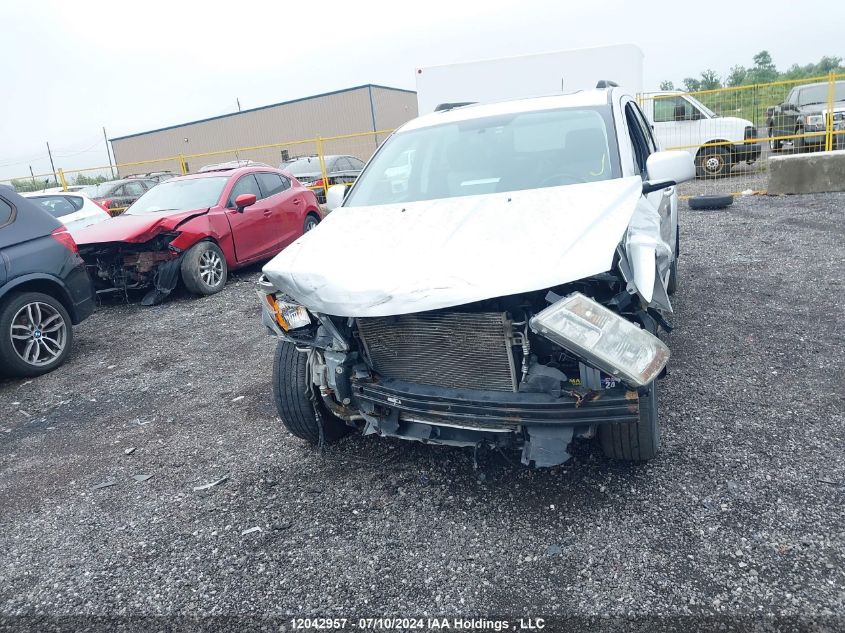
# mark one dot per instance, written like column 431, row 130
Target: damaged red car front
column 197, row 228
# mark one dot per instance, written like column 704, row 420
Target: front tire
column 311, row 222
column 295, row 407
column 204, row 269
column 798, row 145
column 713, row 162
column 36, row 334
column 634, row 441
column 773, row 144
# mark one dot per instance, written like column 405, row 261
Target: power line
column 82, row 151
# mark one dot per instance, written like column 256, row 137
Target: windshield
column 511, row 152
column 818, row 94
column 98, row 191
column 180, row 195
column 307, row 165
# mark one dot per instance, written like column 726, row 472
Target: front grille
column 458, row 350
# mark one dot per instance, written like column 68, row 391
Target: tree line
column 763, row 71
column 28, row 184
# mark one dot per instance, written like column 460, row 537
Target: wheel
column 672, row 286
column 773, row 145
column 798, row 146
column 35, row 334
column 634, row 441
column 711, row 202
column 311, row 222
column 712, row 162
column 204, row 269
column 295, row 407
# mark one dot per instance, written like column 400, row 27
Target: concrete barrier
column 807, row 173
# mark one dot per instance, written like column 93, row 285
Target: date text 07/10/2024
column 421, row 624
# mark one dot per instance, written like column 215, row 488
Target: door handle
column 267, row 213
column 297, row 200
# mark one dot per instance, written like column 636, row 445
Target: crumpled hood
column 133, row 228
column 404, row 258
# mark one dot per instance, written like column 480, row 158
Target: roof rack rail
column 443, row 107
column 606, row 83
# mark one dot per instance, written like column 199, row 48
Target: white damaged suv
column 504, row 288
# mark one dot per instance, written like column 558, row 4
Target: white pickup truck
column 717, row 143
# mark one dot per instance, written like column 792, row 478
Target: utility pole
column 239, row 103
column 108, row 153
column 32, row 173
column 50, row 154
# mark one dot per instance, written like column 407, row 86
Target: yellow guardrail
column 321, row 143
column 753, row 102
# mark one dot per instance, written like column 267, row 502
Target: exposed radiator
column 446, row 349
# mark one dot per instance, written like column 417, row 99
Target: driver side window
column 674, row 109
column 246, row 184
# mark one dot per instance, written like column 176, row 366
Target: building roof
column 272, row 105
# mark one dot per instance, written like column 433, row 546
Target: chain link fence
column 732, row 132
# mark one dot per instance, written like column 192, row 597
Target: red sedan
column 198, row 228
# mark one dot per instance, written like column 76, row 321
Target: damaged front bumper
column 123, row 267
column 515, row 402
column 540, row 425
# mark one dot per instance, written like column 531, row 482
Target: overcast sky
column 70, row 68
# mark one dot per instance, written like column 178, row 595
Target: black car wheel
column 773, row 144
column 204, row 269
column 798, row 145
column 637, row 441
column 297, row 410
column 35, row 334
column 311, row 222
column 712, row 162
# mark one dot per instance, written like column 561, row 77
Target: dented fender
column 210, row 225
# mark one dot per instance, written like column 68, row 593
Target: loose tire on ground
column 204, row 269
column 712, row 162
column 49, row 334
column 711, row 202
column 295, row 407
column 637, row 441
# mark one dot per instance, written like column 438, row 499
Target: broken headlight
column 289, row 316
column 603, row 339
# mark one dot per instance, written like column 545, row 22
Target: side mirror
column 668, row 168
column 335, row 196
column 244, row 200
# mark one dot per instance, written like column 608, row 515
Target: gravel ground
column 741, row 514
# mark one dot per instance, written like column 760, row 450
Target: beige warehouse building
column 288, row 127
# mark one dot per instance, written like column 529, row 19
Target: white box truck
column 529, row 75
